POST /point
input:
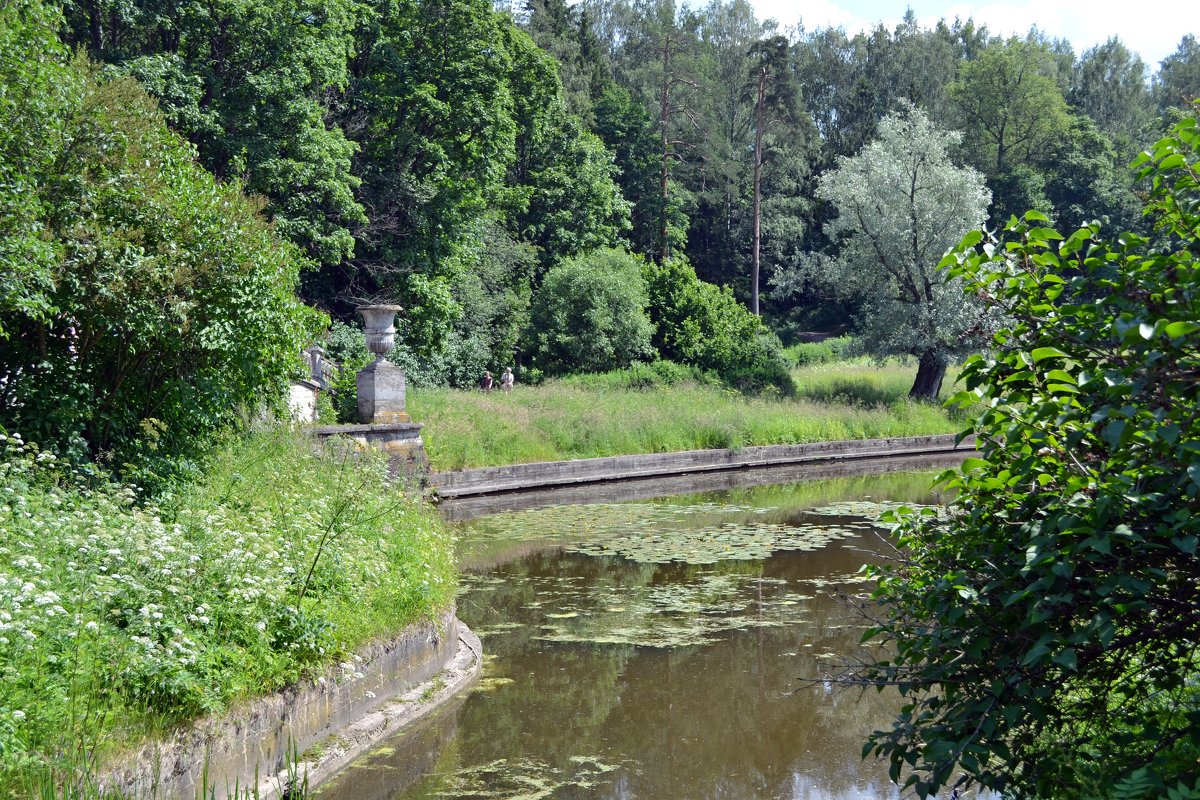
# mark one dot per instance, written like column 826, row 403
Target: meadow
column 655, row 410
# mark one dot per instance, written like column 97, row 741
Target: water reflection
column 613, row 676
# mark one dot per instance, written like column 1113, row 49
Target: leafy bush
column 590, row 315
column 152, row 305
column 701, row 324
column 117, row 616
column 652, row 375
column 803, row 354
column 1045, row 635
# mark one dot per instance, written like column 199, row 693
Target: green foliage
column 1045, row 634
column 1109, row 86
column 37, row 87
column 901, row 204
column 656, row 374
column 346, row 348
column 168, row 308
column 804, row 353
column 574, row 204
column 1011, row 103
column 590, row 315
column 245, row 80
column 1178, row 80
column 627, row 130
column 125, row 618
column 701, row 324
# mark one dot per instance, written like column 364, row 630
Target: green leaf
column 1193, row 472
column 1177, row 329
column 1068, row 659
column 1042, row 353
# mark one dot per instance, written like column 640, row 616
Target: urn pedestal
column 381, row 383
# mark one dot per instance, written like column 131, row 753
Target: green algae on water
column 523, row 779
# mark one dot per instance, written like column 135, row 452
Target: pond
column 660, row 649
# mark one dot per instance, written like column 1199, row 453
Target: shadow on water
column 659, row 649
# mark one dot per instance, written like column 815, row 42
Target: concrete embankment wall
column 254, row 745
column 552, row 474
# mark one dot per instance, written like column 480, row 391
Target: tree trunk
column 666, row 150
column 930, row 373
column 758, row 159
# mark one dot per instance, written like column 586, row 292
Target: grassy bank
column 630, row 412
column 119, row 619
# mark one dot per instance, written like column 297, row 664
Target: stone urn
column 381, row 397
column 380, row 328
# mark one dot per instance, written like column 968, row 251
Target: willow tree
column 901, row 205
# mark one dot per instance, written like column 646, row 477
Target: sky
column 1153, row 34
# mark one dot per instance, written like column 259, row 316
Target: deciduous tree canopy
column 1046, row 635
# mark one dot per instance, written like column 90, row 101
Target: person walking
column 506, row 380
column 485, row 382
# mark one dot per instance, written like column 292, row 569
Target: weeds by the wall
column 119, row 619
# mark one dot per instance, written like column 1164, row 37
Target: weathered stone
column 520, row 477
column 401, row 441
column 381, row 397
column 250, row 746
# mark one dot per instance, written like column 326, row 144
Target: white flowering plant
column 118, row 617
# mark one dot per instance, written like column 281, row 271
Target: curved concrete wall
column 248, row 745
column 524, row 477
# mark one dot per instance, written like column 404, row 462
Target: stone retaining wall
column 400, row 440
column 524, row 477
column 253, row 745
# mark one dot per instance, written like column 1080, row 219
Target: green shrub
column 701, row 324
column 1044, row 633
column 647, row 375
column 156, row 306
column 803, row 354
column 589, row 315
column 346, row 347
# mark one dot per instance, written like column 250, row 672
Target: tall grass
column 604, row 415
column 120, row 619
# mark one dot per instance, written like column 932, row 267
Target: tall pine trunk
column 758, row 159
column 664, row 185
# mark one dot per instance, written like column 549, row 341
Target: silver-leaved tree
column 902, row 203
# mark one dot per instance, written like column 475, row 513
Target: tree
column 1046, row 633
column 431, row 103
column 1086, row 180
column 776, row 100
column 246, row 82
column 165, row 307
column 901, row 205
column 1178, row 80
column 1109, row 85
column 628, row 131
column 1014, row 111
column 703, row 325
column 37, row 87
column 590, row 315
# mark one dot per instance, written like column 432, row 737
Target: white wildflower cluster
column 150, row 602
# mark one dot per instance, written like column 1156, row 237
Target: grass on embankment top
column 591, row 416
column 118, row 619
